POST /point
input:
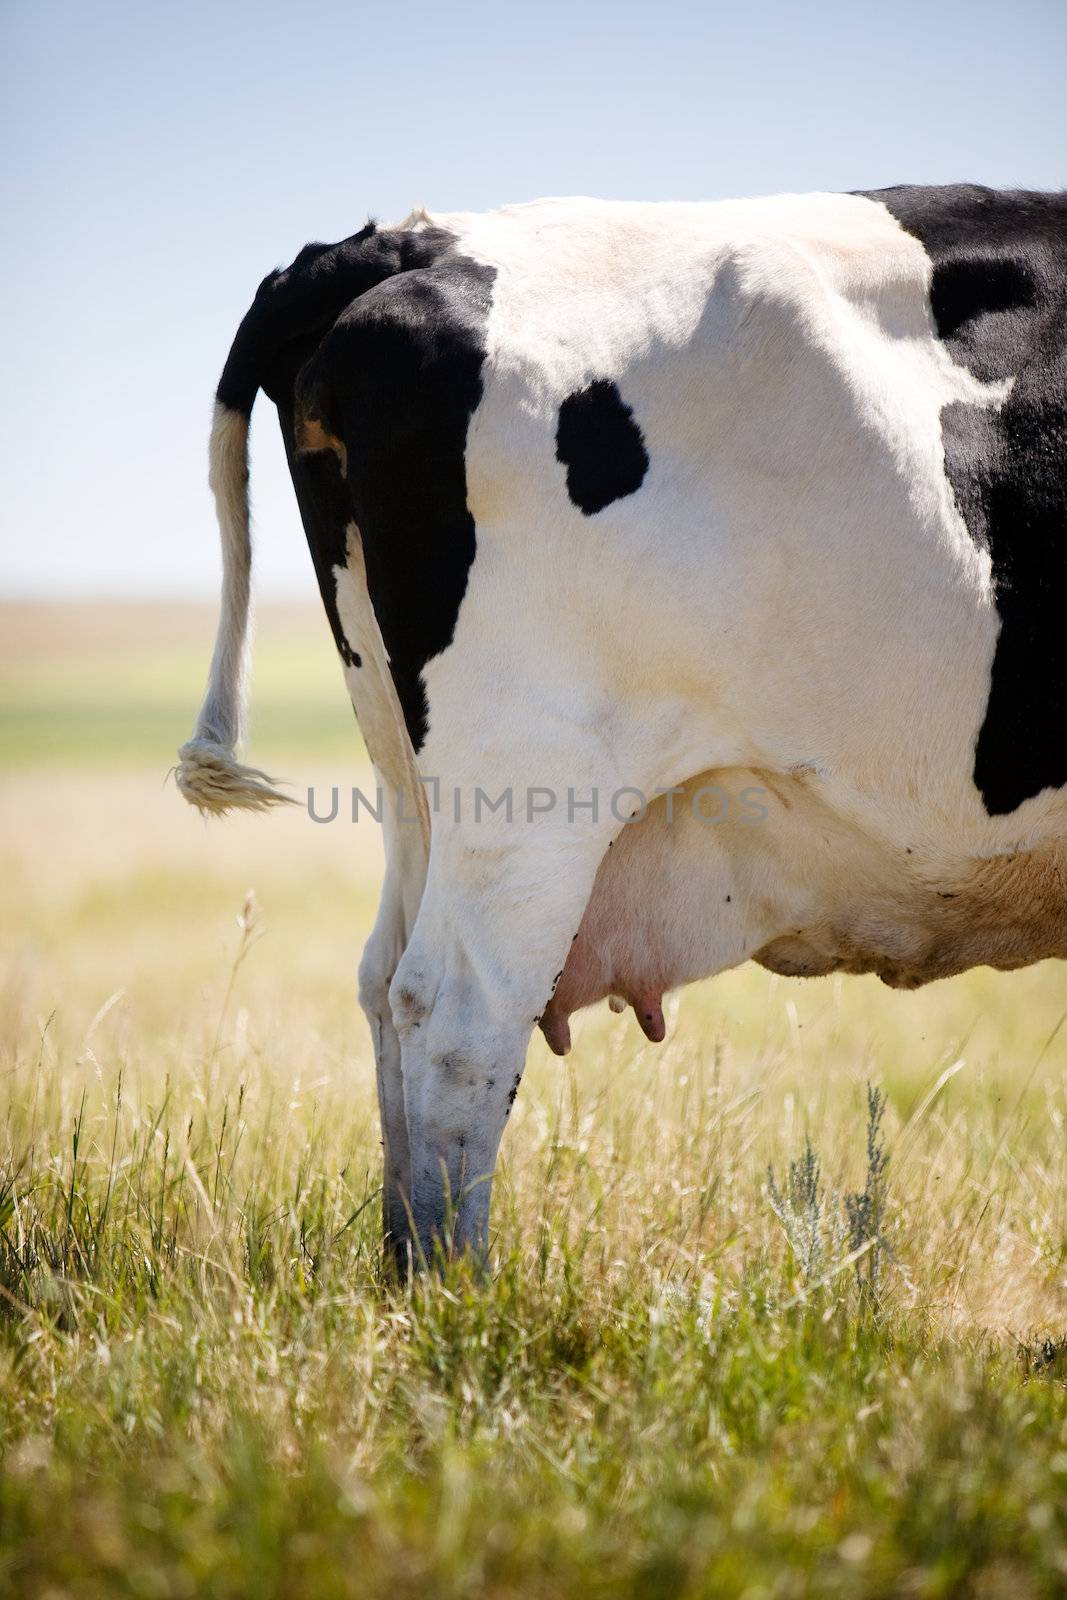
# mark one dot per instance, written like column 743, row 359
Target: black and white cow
column 764, row 499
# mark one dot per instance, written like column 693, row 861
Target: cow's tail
column 209, row 774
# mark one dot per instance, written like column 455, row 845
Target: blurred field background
column 675, row 1384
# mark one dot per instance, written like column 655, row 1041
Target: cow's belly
column 1006, row 914
column 744, row 864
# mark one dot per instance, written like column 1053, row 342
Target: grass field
column 686, row 1377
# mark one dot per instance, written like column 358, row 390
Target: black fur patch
column 999, row 302
column 397, row 379
column 381, row 338
column 601, row 446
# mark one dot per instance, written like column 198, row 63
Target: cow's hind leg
column 401, row 890
column 502, row 903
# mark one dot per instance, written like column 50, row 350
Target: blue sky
column 159, row 158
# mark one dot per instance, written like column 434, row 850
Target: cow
column 698, row 574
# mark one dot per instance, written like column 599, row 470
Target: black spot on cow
column 397, row 379
column 601, row 446
column 380, row 340
column 998, row 297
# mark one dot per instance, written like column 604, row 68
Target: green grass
column 693, row 1369
column 208, row 1389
